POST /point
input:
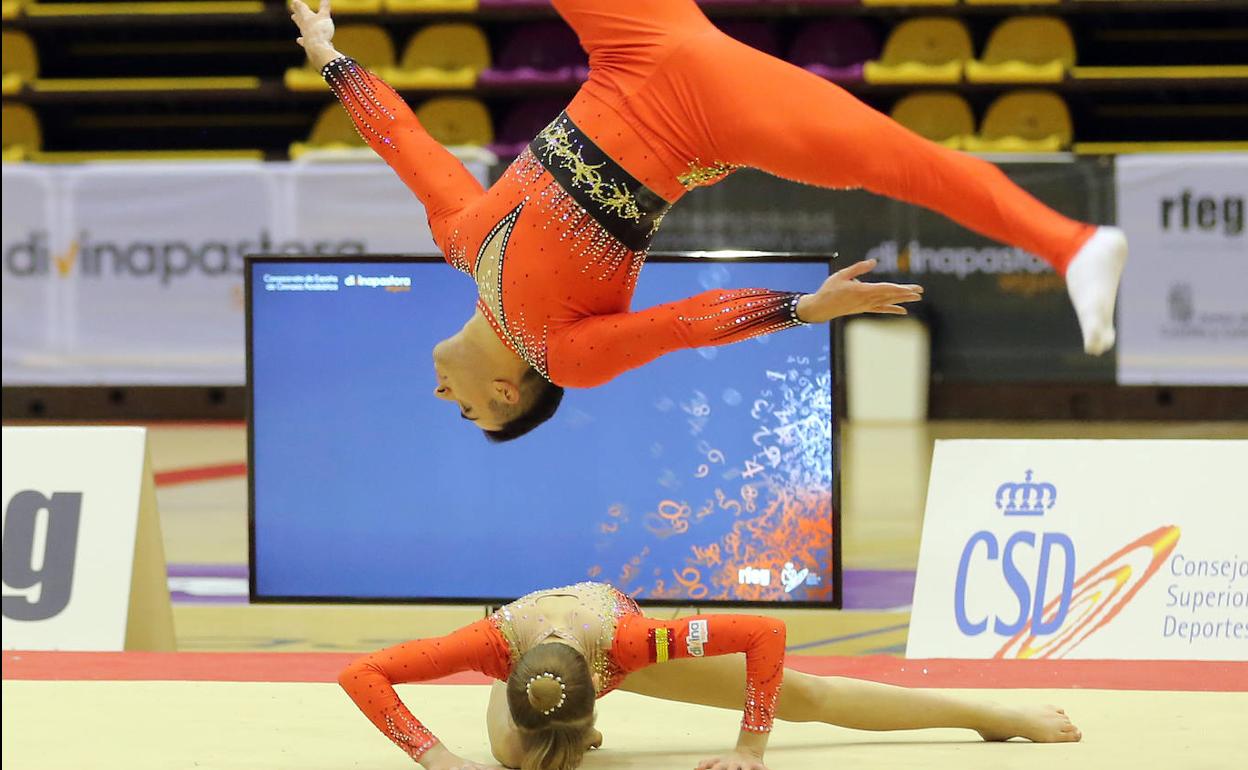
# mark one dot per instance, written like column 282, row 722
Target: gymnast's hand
column 316, row 32
column 439, row 757
column 737, row 760
column 843, row 294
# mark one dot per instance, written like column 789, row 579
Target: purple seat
column 754, row 33
column 538, row 53
column 522, row 123
column 835, row 49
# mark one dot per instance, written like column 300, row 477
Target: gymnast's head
column 494, row 389
column 551, row 697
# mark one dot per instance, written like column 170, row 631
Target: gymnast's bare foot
column 1040, row 724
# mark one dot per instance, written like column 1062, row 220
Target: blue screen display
column 705, row 476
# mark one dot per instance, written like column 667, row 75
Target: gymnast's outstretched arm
column 370, row 682
column 600, row 348
column 642, row 641
column 389, row 126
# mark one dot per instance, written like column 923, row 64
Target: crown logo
column 1027, row 498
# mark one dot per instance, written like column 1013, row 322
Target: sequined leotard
column 671, row 104
column 608, row 626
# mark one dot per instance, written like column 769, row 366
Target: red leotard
column 484, row 646
column 671, row 104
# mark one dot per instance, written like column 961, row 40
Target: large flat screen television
column 707, row 477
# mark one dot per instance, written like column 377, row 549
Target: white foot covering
column 1092, row 280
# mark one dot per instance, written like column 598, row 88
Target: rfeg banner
column 133, row 273
column 1084, row 549
column 1183, row 317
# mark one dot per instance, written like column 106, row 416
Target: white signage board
column 83, row 562
column 1183, row 316
column 1084, row 549
column 132, row 274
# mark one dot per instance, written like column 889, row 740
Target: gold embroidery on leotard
column 613, row 196
column 699, row 176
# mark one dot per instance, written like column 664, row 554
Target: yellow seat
column 941, row 116
column 442, row 56
column 12, row 9
column 1024, row 121
column 431, row 6
column 1123, row 148
column 349, row 7
column 909, row 2
column 21, row 62
column 1165, row 72
column 925, row 50
column 21, row 135
column 368, row 44
column 333, row 130
column 149, row 156
column 456, row 121
column 1012, row 2
column 1025, row 49
column 146, row 8
column 227, row 83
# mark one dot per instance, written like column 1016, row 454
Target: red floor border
column 1192, row 676
column 200, row 473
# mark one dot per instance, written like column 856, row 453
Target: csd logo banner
column 84, row 566
column 1084, row 549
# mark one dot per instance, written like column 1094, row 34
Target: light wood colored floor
column 245, row 726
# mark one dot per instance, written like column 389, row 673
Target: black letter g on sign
column 54, row 575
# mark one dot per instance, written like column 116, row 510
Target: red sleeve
column 392, row 130
column 600, row 348
column 642, row 641
column 369, row 680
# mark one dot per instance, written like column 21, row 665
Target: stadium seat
column 11, row 9
column 431, row 6
column 64, row 85
column 942, row 116
column 113, row 156
column 21, row 135
column 1024, row 121
column 457, row 121
column 924, row 50
column 1125, row 148
column 369, row 44
column 332, row 132
column 21, row 62
column 835, row 49
column 1012, row 2
column 758, row 34
column 1180, row 72
column 909, row 2
column 523, row 122
column 352, row 7
column 514, row 4
column 1025, row 49
column 442, row 56
column 159, row 8
column 538, row 53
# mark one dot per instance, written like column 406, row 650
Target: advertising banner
column 996, row 313
column 84, row 565
column 1084, row 549
column 132, row 274
column 1183, row 315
